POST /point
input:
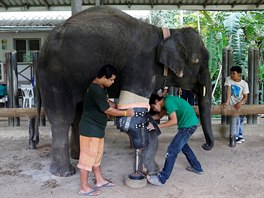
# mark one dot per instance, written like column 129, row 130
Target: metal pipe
column 137, row 151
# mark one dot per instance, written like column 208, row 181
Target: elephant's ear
column 172, row 53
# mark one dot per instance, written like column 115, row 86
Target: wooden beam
column 229, row 110
column 20, row 112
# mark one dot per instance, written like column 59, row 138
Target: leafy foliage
column 236, row 30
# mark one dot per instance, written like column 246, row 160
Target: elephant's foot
column 153, row 169
column 62, row 170
column 207, row 147
column 150, row 167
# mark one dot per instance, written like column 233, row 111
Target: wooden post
column 226, row 65
column 12, row 85
column 224, row 75
column 33, row 137
column 232, row 128
column 250, row 81
column 255, row 82
column 76, row 6
column 97, row 2
column 261, row 93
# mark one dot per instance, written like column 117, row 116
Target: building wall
column 7, row 44
column 6, row 38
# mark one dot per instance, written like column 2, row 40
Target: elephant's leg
column 60, row 162
column 148, row 163
column 60, row 112
column 75, row 140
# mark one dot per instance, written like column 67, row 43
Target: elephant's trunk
column 204, row 103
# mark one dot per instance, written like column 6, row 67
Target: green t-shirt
column 185, row 113
column 94, row 120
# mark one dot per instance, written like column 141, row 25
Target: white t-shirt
column 237, row 90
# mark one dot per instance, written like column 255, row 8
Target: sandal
column 107, row 184
column 93, row 192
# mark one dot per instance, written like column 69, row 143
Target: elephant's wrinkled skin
column 75, row 50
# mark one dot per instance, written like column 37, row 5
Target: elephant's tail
column 38, row 102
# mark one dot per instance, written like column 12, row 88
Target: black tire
column 135, row 183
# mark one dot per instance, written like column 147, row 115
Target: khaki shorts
column 91, row 152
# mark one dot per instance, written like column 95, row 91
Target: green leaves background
column 236, row 30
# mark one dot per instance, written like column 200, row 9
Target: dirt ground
column 229, row 171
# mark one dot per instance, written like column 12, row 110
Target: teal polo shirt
column 185, row 113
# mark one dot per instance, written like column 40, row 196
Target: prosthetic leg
column 136, row 128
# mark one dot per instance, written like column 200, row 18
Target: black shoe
column 240, row 140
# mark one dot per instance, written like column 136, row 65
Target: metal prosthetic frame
column 136, row 128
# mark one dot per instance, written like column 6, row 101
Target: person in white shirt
column 237, row 95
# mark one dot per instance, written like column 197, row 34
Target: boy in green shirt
column 180, row 113
column 92, row 129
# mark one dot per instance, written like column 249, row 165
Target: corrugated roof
column 33, row 18
column 48, row 5
column 42, row 21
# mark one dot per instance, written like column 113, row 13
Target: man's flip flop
column 94, row 192
column 108, row 184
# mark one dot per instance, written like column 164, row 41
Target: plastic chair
column 28, row 96
column 3, row 95
column 4, row 100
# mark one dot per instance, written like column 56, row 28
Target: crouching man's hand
column 150, row 127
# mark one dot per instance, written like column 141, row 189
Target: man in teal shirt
column 180, row 113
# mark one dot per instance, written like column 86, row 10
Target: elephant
column 74, row 52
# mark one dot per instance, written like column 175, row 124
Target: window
column 24, row 48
